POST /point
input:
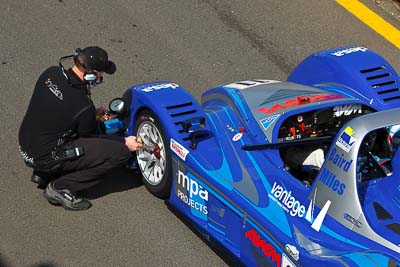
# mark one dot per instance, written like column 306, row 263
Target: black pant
column 101, row 157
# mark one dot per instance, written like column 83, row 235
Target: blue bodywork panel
column 358, row 68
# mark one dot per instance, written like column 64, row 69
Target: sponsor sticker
column 288, row 202
column 192, row 193
column 247, row 84
column 268, row 121
column 230, row 128
column 286, row 262
column 289, row 138
column 352, row 220
column 347, row 110
column 346, row 139
column 294, row 208
column 340, row 160
column 237, row 137
column 350, row 50
column 268, row 249
column 218, row 210
column 292, row 251
column 178, row 149
column 159, row 87
column 329, row 179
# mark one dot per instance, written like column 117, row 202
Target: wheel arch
column 171, row 103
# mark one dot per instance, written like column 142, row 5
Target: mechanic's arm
column 91, row 122
column 87, row 126
column 85, row 122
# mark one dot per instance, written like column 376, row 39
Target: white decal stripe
column 309, row 211
column 321, row 216
column 246, row 84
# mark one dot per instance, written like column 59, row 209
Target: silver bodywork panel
column 340, row 169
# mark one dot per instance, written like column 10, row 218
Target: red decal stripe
column 300, row 100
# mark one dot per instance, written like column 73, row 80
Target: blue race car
column 281, row 173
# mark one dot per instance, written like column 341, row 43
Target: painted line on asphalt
column 373, row 20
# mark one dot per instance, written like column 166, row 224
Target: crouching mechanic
column 59, row 136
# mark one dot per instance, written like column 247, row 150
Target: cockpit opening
column 304, row 160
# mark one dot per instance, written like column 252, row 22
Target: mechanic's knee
column 121, row 157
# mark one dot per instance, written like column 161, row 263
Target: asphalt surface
column 198, row 44
column 391, row 6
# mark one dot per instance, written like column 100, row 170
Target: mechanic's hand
column 133, row 143
column 102, row 114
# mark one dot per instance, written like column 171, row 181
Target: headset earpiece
column 77, row 52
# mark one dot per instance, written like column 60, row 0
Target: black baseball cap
column 97, row 59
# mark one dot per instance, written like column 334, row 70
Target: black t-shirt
column 57, row 106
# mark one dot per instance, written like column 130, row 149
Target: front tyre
column 154, row 159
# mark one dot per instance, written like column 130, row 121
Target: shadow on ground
column 4, row 263
column 118, row 181
column 44, row 264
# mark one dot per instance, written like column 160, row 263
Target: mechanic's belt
column 54, row 163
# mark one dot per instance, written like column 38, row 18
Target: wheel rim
column 151, row 159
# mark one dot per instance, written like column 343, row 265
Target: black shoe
column 65, row 198
column 39, row 180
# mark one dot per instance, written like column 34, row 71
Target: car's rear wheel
column 154, row 160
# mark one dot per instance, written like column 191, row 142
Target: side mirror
column 117, row 106
column 191, row 126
